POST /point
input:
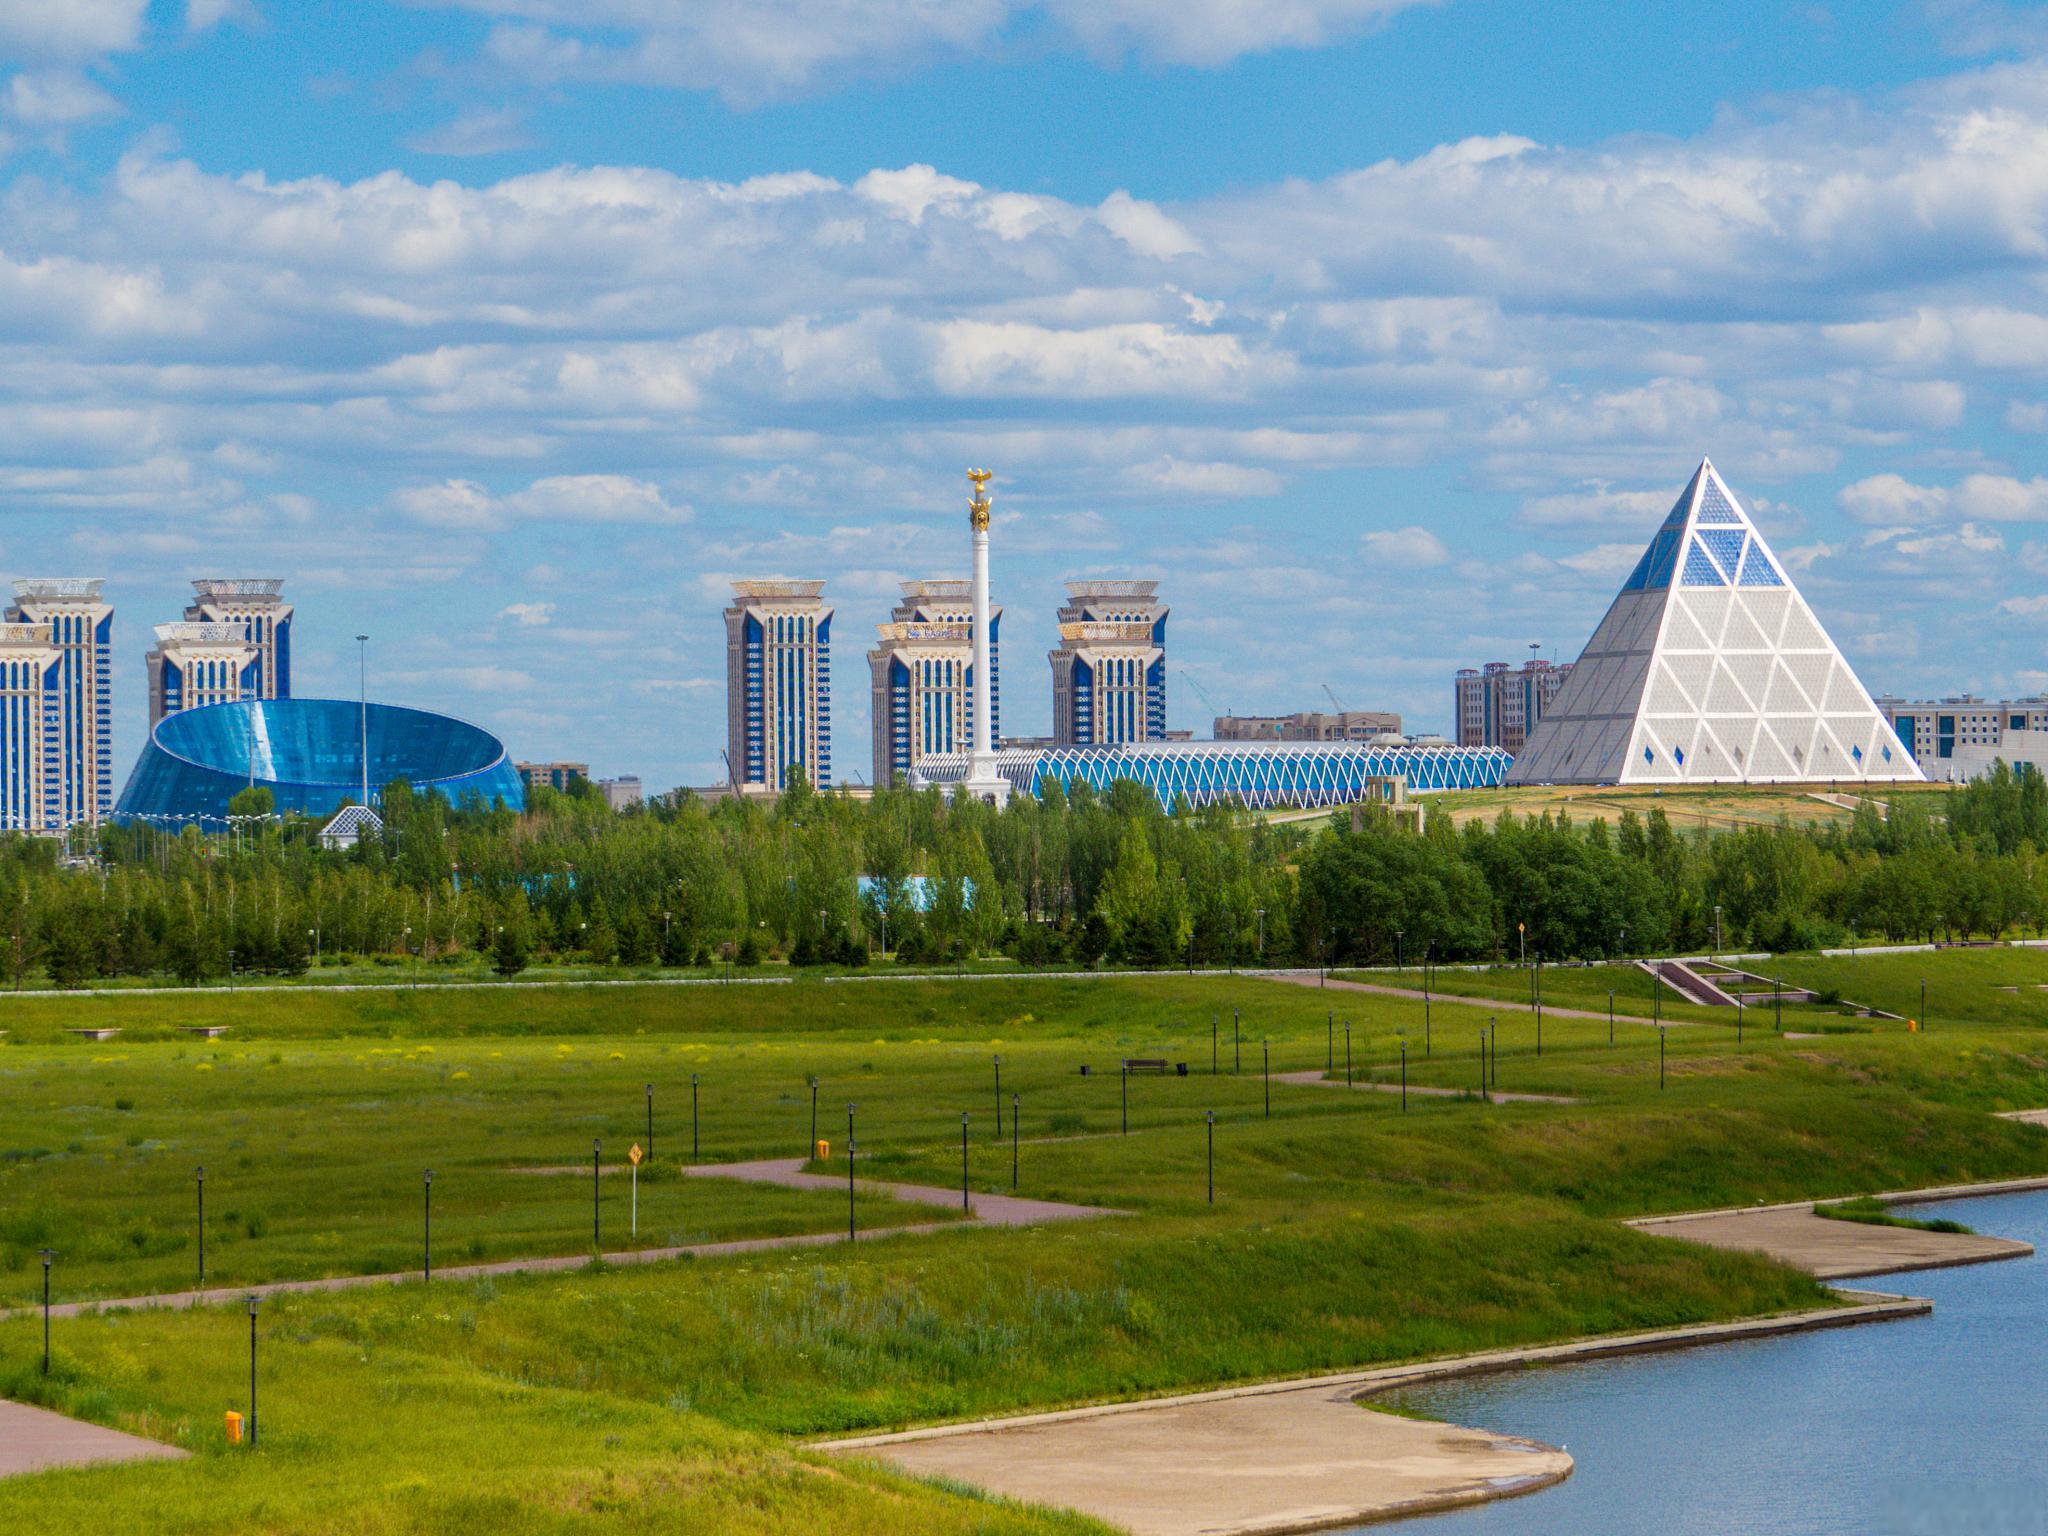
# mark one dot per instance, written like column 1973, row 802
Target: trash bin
column 234, row 1427
column 823, row 1151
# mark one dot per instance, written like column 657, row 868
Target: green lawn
column 1346, row 1231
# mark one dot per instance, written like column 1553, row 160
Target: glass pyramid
column 1709, row 668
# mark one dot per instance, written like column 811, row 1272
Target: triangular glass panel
column 1701, row 571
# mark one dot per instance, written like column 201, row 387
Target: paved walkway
column 34, row 1439
column 1284, row 1456
column 987, row 1210
column 1491, row 1004
column 1831, row 1249
column 1313, row 1079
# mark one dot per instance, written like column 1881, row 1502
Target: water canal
column 1926, row 1427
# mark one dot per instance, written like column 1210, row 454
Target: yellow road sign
column 635, row 1154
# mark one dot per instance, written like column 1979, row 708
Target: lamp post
column 1013, row 1143
column 812, row 1150
column 1404, row 1077
column 48, row 1255
column 1923, row 1004
column 199, row 1184
column 1212, row 1045
column 999, row 1097
column 693, row 1117
column 1236, row 1044
column 849, row 1172
column 964, row 1206
column 596, row 1237
column 1212, row 1157
column 427, row 1230
column 252, row 1372
column 1124, row 1077
column 1522, row 933
column 1397, row 948
column 1262, row 935
column 1347, row 1053
column 1718, row 946
column 650, row 1122
column 1266, row 1071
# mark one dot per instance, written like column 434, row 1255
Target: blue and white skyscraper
column 922, row 676
column 778, row 684
column 78, row 742
column 1109, row 673
column 28, row 726
column 252, row 602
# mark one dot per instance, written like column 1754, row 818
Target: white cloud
column 1615, row 560
column 465, row 505
column 490, row 131
column 200, row 15
column 528, row 615
column 752, row 49
column 2034, row 607
column 70, row 28
column 57, row 99
column 1411, row 546
column 1892, row 499
column 1182, row 478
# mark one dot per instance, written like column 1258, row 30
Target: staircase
column 1687, row 983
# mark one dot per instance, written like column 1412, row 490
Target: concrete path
column 1829, row 1249
column 2025, row 1116
column 1491, row 1004
column 1313, row 1079
column 987, row 1211
column 1284, row 1456
column 34, row 1439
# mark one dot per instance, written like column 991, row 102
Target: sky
column 1381, row 332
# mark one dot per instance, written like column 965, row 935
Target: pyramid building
column 1710, row 669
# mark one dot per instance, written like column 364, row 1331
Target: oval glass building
column 309, row 754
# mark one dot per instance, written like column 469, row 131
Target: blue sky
column 1382, row 332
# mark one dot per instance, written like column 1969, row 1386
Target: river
column 1926, row 1427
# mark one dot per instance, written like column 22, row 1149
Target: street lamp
column 48, row 1255
column 1262, row 935
column 427, row 1229
column 1717, row 928
column 252, row 1372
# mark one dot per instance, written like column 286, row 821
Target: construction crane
column 1201, row 692
column 1339, row 703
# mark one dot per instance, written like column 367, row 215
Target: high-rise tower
column 922, row 672
column 778, row 684
column 81, row 751
column 252, row 602
column 194, row 664
column 1109, row 673
column 28, row 728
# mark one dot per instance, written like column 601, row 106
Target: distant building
column 921, row 675
column 78, row 744
column 1309, row 725
column 621, row 792
column 2020, row 748
column 1935, row 730
column 350, row 825
column 1109, row 672
column 194, row 664
column 560, row 777
column 1499, row 705
column 28, row 729
column 252, row 602
column 778, row 684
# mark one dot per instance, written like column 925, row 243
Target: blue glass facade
column 1254, row 774
column 308, row 753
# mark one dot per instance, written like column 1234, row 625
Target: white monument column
column 982, row 779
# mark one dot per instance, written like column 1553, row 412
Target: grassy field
column 1346, row 1230
column 1719, row 808
column 1634, row 993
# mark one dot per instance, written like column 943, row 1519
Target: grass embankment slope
column 1346, row 1232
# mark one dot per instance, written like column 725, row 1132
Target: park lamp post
column 999, row 1096
column 650, row 1122
column 1262, row 935
column 1923, row 1005
column 693, row 1117
column 1013, row 1142
column 1522, row 936
column 1397, row 948
column 199, row 1184
column 813, row 1150
column 252, row 1371
column 1212, row 1157
column 47, row 1255
column 849, row 1171
column 964, row 1206
column 427, row 1229
column 596, row 1238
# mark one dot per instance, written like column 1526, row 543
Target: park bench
column 210, row 1031
column 103, row 1032
column 1158, row 1067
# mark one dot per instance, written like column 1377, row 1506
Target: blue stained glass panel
column 1714, row 506
column 1700, row 571
column 1725, row 545
column 1757, row 570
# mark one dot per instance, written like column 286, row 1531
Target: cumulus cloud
column 749, row 50
column 1411, row 546
column 487, row 131
column 528, row 615
column 464, row 505
column 57, row 99
column 1892, row 499
column 70, row 28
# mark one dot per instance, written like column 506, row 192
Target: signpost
column 633, row 1155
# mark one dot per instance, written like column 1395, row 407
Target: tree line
column 910, row 877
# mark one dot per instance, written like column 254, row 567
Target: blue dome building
column 309, row 754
